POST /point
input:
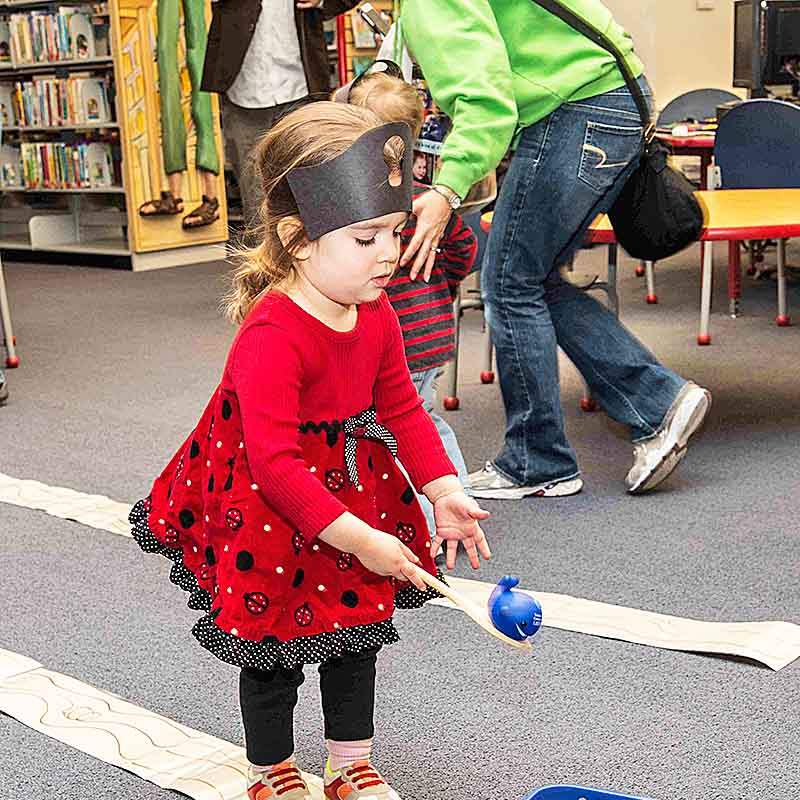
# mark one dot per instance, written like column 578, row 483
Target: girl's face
column 354, row 264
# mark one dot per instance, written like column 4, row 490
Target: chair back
column 758, row 146
column 697, row 105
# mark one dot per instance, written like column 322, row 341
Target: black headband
column 354, row 186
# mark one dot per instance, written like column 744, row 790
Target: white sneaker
column 654, row 459
column 489, row 484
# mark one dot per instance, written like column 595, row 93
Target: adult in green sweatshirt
column 508, row 71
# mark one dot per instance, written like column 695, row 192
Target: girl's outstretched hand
column 456, row 517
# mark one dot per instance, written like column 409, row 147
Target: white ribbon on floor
column 93, row 510
column 113, row 730
column 776, row 644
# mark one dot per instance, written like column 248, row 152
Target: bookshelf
column 88, row 133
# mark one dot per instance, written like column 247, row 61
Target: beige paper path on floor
column 776, row 644
column 113, row 730
column 93, row 510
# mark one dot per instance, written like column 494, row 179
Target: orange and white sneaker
column 359, row 781
column 281, row 782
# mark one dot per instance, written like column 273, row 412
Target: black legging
column 268, row 699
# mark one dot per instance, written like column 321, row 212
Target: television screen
column 780, row 41
column 783, row 60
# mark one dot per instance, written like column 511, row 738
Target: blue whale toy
column 516, row 614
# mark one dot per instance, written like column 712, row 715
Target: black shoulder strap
column 601, row 40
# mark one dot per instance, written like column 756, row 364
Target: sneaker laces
column 364, row 776
column 286, row 778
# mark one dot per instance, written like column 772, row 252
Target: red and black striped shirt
column 425, row 310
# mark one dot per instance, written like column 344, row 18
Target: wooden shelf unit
column 104, row 221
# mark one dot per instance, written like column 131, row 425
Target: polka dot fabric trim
column 305, row 650
column 199, row 599
column 269, row 653
column 412, row 597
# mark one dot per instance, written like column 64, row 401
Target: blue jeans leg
column 426, row 383
column 568, row 168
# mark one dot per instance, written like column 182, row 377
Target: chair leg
column 650, row 272
column 704, row 337
column 588, row 404
column 451, row 401
column 783, row 318
column 734, row 278
column 640, row 269
column 12, row 361
column 751, row 251
column 487, row 373
column 613, row 294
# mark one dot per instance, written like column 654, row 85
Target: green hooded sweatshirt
column 497, row 66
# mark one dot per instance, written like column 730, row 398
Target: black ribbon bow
column 364, row 426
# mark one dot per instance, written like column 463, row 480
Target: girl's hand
column 456, row 517
column 384, row 554
column 433, row 213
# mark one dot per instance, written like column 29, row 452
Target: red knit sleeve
column 399, row 406
column 267, row 373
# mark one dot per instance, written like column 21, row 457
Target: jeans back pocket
column 607, row 151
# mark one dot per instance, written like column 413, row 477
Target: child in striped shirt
column 425, row 310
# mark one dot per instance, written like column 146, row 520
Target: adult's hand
column 433, row 213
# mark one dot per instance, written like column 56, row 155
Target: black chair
column 694, row 106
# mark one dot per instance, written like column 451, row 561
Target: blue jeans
column 426, row 383
column 567, row 169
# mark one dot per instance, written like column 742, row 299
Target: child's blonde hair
column 392, row 99
column 312, row 135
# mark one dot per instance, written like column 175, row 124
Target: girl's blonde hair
column 392, row 99
column 312, row 135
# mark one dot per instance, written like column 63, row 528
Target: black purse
column 657, row 214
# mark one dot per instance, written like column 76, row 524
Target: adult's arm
column 463, row 57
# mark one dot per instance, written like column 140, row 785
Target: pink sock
column 342, row 754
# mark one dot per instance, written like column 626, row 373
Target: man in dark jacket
column 265, row 65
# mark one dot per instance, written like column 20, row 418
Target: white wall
column 638, row 18
column 683, row 48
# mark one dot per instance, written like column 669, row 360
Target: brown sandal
column 166, row 206
column 205, row 214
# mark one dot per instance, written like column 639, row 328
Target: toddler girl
column 284, row 512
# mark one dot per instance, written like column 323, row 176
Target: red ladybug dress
column 305, row 425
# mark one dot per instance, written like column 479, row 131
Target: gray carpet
column 116, row 368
